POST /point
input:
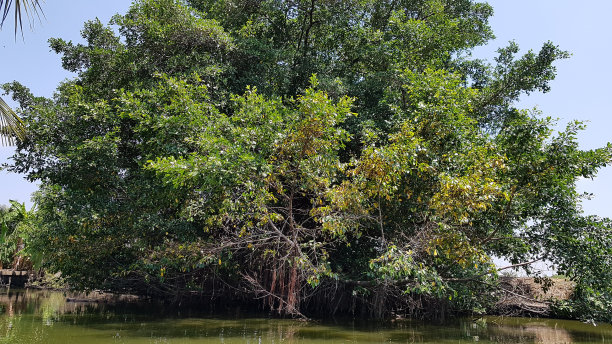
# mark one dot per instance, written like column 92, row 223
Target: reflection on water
column 47, row 317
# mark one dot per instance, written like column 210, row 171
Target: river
column 32, row 317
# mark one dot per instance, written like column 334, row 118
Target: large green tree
column 299, row 152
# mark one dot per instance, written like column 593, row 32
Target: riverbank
column 517, row 296
column 526, row 296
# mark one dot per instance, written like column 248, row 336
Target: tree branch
column 520, row 264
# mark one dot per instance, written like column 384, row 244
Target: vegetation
column 15, row 226
column 315, row 156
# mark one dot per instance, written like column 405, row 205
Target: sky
column 581, row 90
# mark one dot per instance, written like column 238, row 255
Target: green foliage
column 15, row 230
column 587, row 261
column 154, row 37
column 285, row 146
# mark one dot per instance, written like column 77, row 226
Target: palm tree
column 11, row 126
column 13, row 220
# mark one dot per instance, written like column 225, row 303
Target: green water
column 30, row 317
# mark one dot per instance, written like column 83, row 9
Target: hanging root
column 287, row 302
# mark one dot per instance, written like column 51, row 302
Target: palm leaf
column 31, row 8
column 19, row 209
column 11, row 126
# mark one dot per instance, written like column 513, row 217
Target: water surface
column 31, row 317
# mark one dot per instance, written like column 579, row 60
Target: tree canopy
column 298, row 152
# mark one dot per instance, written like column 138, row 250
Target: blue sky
column 581, row 90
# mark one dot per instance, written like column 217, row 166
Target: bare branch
column 520, row 264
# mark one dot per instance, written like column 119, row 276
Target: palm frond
column 11, row 126
column 31, row 8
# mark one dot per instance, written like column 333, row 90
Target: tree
column 299, row 152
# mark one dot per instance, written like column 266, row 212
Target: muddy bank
column 526, row 296
column 516, row 296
